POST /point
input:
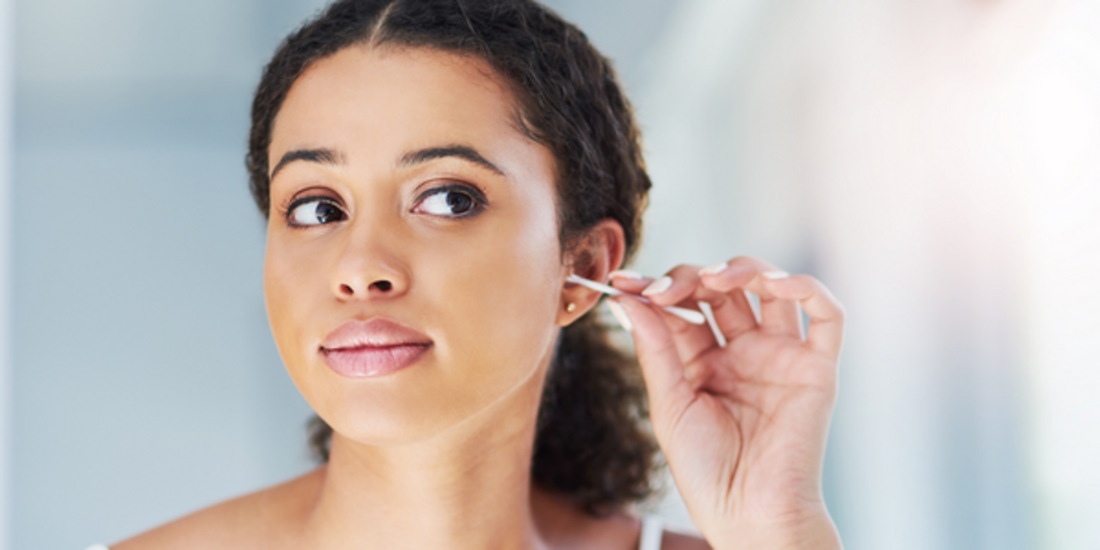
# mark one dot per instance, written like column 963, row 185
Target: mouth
column 373, row 348
column 371, row 362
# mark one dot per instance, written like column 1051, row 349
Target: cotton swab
column 689, row 315
column 709, row 313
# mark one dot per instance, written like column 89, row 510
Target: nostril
column 384, row 286
column 347, row 290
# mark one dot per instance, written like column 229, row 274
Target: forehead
column 388, row 99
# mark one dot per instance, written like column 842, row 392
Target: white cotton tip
column 619, row 313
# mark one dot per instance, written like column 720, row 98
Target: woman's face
column 413, row 274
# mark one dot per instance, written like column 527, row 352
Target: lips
column 373, row 348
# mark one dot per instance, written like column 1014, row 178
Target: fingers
column 629, row 281
column 722, row 286
column 778, row 315
column 681, row 288
column 826, row 331
column 669, row 392
column 734, row 314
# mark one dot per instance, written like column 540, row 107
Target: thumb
column 662, row 368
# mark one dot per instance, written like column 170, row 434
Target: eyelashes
column 314, row 210
column 449, row 201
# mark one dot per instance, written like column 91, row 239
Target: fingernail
column 773, row 275
column 714, row 269
column 708, row 312
column 619, row 313
column 658, row 286
column 625, row 273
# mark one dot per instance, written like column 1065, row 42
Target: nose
column 368, row 271
column 363, row 288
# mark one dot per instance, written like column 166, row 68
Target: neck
column 469, row 487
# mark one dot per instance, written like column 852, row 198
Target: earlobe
column 573, row 309
column 569, row 314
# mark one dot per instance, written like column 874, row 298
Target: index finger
column 778, row 315
column 826, row 331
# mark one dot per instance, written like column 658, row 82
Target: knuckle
column 748, row 262
column 685, row 271
column 841, row 312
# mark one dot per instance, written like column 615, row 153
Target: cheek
column 496, row 294
column 292, row 293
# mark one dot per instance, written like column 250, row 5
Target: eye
column 314, row 211
column 450, row 201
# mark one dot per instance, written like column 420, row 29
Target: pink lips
column 366, row 349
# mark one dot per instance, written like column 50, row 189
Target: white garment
column 652, row 531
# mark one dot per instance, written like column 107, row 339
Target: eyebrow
column 456, row 151
column 334, row 158
column 320, row 156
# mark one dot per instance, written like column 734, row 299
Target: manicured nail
column 658, row 286
column 714, row 269
column 619, row 313
column 754, row 304
column 709, row 314
column 773, row 275
column 625, row 273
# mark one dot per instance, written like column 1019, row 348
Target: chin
column 387, row 418
column 395, row 409
column 418, row 405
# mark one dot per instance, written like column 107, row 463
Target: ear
column 598, row 253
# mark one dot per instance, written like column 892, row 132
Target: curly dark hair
column 591, row 443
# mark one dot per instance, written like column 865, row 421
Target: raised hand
column 743, row 427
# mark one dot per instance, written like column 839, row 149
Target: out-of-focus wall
column 145, row 381
column 6, row 108
column 1047, row 126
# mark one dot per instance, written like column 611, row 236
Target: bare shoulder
column 269, row 518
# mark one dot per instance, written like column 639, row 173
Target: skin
column 437, row 455
column 743, row 426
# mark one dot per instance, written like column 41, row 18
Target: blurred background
column 936, row 163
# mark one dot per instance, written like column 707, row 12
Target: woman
column 432, row 172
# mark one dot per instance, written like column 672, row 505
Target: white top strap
column 653, row 529
column 97, row 547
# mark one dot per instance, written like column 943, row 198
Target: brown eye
column 315, row 211
column 449, row 201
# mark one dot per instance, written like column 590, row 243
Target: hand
column 743, row 427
